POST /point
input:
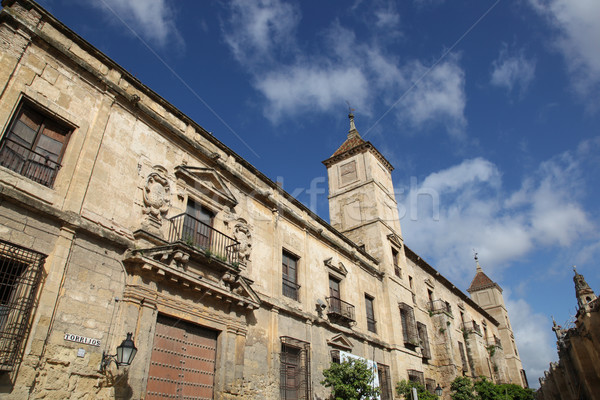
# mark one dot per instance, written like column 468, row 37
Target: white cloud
column 465, row 207
column 533, row 336
column 437, row 97
column 512, row 71
column 341, row 67
column 153, row 20
column 576, row 23
column 259, row 29
column 302, row 87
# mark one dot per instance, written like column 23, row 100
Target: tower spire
column 583, row 292
column 352, row 132
column 477, row 263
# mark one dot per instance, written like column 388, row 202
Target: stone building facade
column 120, row 214
column 576, row 374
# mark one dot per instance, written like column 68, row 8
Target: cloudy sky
column 489, row 110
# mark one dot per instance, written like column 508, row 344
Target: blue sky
column 489, row 111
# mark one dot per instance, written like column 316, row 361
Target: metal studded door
column 182, row 365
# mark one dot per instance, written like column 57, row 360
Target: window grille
column 461, row 349
column 424, row 340
column 34, row 144
column 295, row 383
column 430, row 385
column 20, row 275
column 385, row 382
column 416, row 376
column 409, row 326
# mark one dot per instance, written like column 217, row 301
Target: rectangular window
column 290, row 287
column 396, row 261
column 295, row 380
column 348, row 173
column 430, row 385
column 370, row 314
column 34, row 144
column 335, row 303
column 416, row 376
column 424, row 340
column 385, row 382
column 409, row 325
column 20, row 275
column 463, row 357
column 197, row 225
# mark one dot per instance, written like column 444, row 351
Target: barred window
column 20, row 275
column 385, row 382
column 416, row 376
column 461, row 349
column 409, row 326
column 424, row 340
column 295, row 380
column 430, row 385
column 34, row 144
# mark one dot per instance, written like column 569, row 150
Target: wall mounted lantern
column 438, row 390
column 125, row 353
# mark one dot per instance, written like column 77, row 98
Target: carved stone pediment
column 340, row 341
column 339, row 268
column 180, row 265
column 397, row 240
column 206, row 182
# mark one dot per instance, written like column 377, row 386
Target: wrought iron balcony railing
column 24, row 161
column 340, row 309
column 439, row 305
column 471, row 326
column 371, row 324
column 195, row 233
column 290, row 289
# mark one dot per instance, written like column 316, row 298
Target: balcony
column 440, row 306
column 195, row 233
column 340, row 310
column 471, row 326
column 24, row 161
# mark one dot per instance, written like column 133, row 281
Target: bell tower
column 488, row 295
column 362, row 204
column 583, row 292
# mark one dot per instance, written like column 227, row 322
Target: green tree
column 404, row 388
column 462, row 389
column 510, row 391
column 350, row 380
column 486, row 390
column 482, row 389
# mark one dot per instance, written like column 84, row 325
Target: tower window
column 348, row 173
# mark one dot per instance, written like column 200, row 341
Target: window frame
column 409, row 325
column 371, row 322
column 18, row 292
column 289, row 287
column 303, row 389
column 50, row 126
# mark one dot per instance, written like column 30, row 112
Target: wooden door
column 182, row 365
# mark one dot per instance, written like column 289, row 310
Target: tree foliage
column 482, row 389
column 462, row 389
column 404, row 388
column 350, row 380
